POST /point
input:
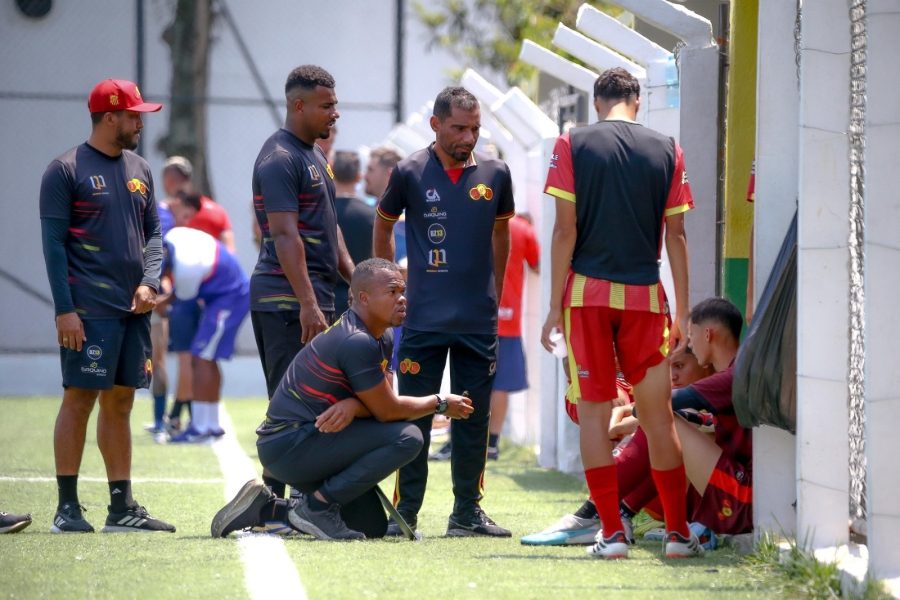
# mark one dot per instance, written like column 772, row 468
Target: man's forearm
column 383, row 239
column 54, row 232
column 676, row 248
column 561, row 249
column 292, row 257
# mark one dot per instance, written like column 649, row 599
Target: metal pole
column 400, row 30
column 139, row 55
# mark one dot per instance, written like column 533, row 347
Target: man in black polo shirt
column 302, row 251
column 335, row 427
column 103, row 251
column 354, row 217
column 457, row 208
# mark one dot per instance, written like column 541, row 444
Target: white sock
column 199, row 419
column 213, row 416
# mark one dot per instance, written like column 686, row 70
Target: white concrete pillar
column 882, row 289
column 777, row 139
column 823, row 277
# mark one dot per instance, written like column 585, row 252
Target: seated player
column 581, row 527
column 200, row 268
column 335, row 427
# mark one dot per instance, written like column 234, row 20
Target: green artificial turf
column 519, row 496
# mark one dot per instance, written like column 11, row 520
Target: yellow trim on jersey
column 677, row 210
column 576, row 298
column 617, row 295
column 653, row 290
column 573, row 365
column 558, row 193
column 505, row 216
column 386, row 216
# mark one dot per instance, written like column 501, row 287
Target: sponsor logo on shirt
column 684, row 178
column 431, row 195
column 410, row 366
column 437, row 257
column 94, row 352
column 481, row 192
column 434, row 213
column 384, row 364
column 582, row 373
column 436, row 233
column 492, row 368
column 98, row 182
column 136, row 185
column 313, row 172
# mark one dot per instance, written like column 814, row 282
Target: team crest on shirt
column 407, row 365
column 725, row 511
column 314, row 172
column 98, row 182
column 481, row 192
column 136, row 185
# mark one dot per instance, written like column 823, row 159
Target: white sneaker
column 614, row 546
column 678, row 546
column 570, row 530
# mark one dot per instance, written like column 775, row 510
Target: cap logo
column 137, row 93
column 114, row 99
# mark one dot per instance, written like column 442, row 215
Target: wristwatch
column 441, row 406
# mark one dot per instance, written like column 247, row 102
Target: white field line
column 268, row 570
column 82, row 478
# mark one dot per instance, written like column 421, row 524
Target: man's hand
column 337, row 416
column 70, row 331
column 144, row 300
column 554, row 319
column 678, row 335
column 312, row 323
column 458, row 407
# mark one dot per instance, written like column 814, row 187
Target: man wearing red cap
column 103, row 252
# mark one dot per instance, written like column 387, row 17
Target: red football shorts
column 727, row 505
column 597, row 335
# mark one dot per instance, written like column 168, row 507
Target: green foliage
column 489, row 33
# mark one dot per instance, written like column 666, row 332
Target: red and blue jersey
column 201, row 267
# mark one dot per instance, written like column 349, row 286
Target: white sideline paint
column 82, row 478
column 268, row 570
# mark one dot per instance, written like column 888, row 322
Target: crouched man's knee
column 410, row 441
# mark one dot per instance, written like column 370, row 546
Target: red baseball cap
column 111, row 95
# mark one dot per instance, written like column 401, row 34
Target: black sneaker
column 323, row 524
column 443, row 453
column 478, row 523
column 69, row 519
column 13, row 523
column 243, row 510
column 135, row 519
column 393, row 529
column 493, row 452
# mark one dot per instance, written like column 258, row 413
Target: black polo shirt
column 111, row 213
column 292, row 176
column 449, row 233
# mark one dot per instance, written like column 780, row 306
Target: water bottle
column 559, row 343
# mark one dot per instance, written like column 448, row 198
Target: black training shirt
column 110, row 210
column 292, row 176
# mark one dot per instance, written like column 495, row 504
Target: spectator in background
column 197, row 211
column 159, row 338
column 382, row 161
column 354, row 217
column 200, row 269
column 327, row 144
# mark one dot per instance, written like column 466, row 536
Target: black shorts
column 117, row 352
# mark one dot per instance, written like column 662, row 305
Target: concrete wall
column 63, row 55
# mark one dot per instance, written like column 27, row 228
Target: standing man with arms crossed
column 302, row 251
column 616, row 185
column 103, row 250
column 457, row 208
